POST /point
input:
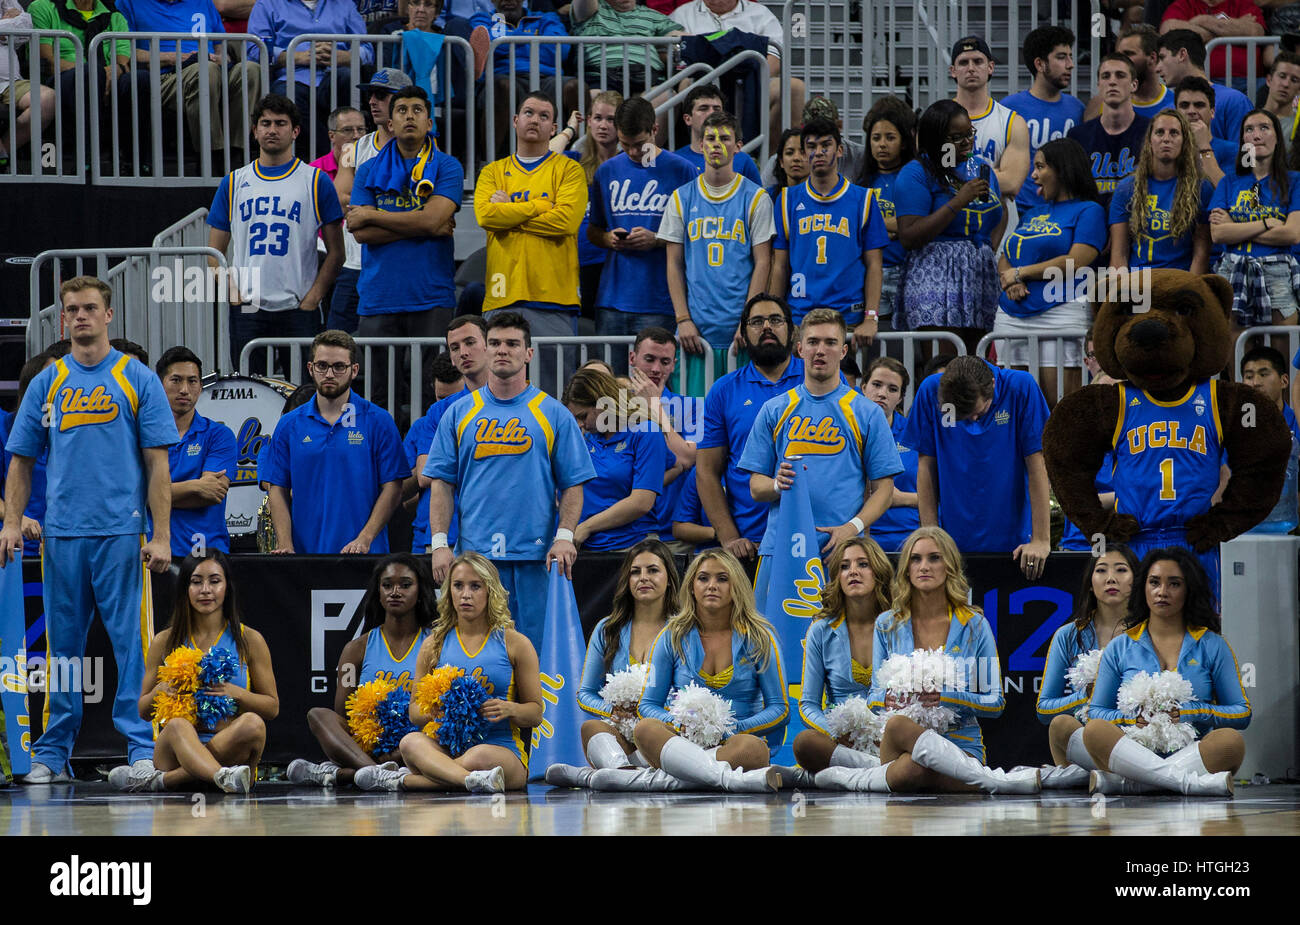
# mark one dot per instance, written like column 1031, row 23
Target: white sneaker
column 131, row 779
column 374, row 777
column 237, row 779
column 302, row 771
column 142, row 765
column 491, row 781
column 41, row 774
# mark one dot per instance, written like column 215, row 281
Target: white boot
column 1136, row 762
column 640, row 780
column 865, row 780
column 845, row 757
column 637, row 760
column 1113, row 784
column 1070, row 777
column 603, row 751
column 568, row 775
column 935, row 752
column 687, row 761
column 794, row 777
column 1077, row 752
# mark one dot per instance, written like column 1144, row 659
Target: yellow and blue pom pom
column 172, row 706
column 180, row 670
column 462, row 726
column 216, row 667
column 378, row 715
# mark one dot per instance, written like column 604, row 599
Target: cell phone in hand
column 986, row 172
column 620, row 234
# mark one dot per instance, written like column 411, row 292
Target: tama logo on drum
column 219, row 394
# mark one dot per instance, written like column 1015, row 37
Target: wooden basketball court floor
column 279, row 809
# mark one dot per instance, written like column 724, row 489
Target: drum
column 250, row 406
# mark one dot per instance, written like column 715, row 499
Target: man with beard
column 1048, row 111
column 730, row 409
column 335, row 465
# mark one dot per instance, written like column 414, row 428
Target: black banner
column 308, row 608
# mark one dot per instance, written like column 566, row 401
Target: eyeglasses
column 957, row 138
column 337, row 369
column 757, row 324
column 357, row 130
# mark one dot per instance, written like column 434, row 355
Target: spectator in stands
column 1255, row 215
column 86, row 19
column 790, row 167
column 1044, row 264
column 335, row 465
column 422, row 57
column 819, row 107
column 730, row 409
column 621, row 19
column 201, row 464
column 467, row 347
column 890, row 127
column 130, row 348
column 1141, row 45
column 629, row 459
column 531, row 206
column 1282, row 87
column 1049, row 112
column 277, row 23
column 705, row 17
column 718, row 230
column 702, row 101
column 995, row 442
column 181, row 72
column 1001, row 136
column 886, row 385
column 1182, row 55
column 512, row 68
column 691, row 524
column 1159, row 217
column 1210, row 19
column 482, row 461
column 628, row 196
column 1265, row 369
column 829, row 237
column 234, row 14
column 1194, row 98
column 270, row 211
column 346, row 125
column 597, row 146
column 447, row 379
column 1113, row 140
column 13, row 18
column 402, row 211
column 948, row 215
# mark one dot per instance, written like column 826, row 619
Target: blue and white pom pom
column 703, row 717
column 855, row 719
column 921, row 671
column 1151, row 697
column 1082, row 674
column 623, row 689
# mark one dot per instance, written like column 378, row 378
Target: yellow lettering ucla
column 78, row 409
column 807, row 439
column 492, row 438
column 478, row 675
column 551, row 687
column 711, row 227
column 823, row 221
column 403, row 680
column 809, row 590
column 1161, row 434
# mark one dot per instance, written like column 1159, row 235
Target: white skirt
column 1076, row 314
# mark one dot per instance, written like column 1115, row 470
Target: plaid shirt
column 1251, row 304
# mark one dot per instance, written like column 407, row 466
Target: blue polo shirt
column 334, row 472
column 666, row 503
column 983, row 486
column 169, row 16
column 689, row 509
column 730, row 410
column 897, row 523
column 208, row 446
column 418, row 440
column 623, row 462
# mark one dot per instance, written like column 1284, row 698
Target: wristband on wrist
column 438, row 541
column 857, row 522
column 685, row 320
column 563, row 533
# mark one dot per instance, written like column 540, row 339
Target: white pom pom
column 1151, row 697
column 855, row 719
column 703, row 717
column 895, row 674
column 1084, row 670
column 923, row 670
column 623, row 689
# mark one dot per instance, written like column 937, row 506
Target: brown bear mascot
column 1164, row 350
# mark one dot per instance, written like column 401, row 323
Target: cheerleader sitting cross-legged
column 399, row 608
column 644, row 596
column 930, row 612
column 473, row 633
column 187, row 752
column 1171, row 626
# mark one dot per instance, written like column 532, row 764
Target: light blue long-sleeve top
column 593, row 667
column 830, row 675
column 1055, row 695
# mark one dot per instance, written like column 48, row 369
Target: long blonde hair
column 1187, row 189
column 595, row 388
column 498, row 611
column 956, row 588
column 591, row 158
column 745, row 618
column 881, row 571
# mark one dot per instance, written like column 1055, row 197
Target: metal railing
column 228, row 80
column 46, row 141
column 760, row 144
column 1265, row 333
column 909, row 340
column 161, row 297
column 1060, row 338
column 1252, row 44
